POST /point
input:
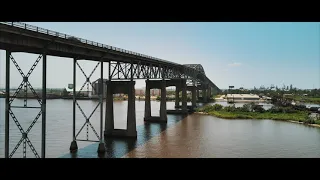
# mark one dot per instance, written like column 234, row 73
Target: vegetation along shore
column 253, row 111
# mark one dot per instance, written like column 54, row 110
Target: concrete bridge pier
column 159, row 84
column 198, row 93
column 117, row 87
column 184, row 97
column 194, row 99
column 147, row 103
column 204, row 95
column 181, row 85
column 193, row 90
column 163, row 103
column 177, row 100
column 209, row 92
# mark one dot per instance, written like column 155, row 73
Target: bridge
column 123, row 68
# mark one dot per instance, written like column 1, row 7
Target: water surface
column 194, row 136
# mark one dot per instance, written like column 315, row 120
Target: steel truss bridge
column 123, row 68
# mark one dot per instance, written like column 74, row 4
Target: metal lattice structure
column 197, row 67
column 87, row 122
column 25, row 84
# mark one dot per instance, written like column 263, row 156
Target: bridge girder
column 21, row 37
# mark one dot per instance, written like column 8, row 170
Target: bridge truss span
column 141, row 70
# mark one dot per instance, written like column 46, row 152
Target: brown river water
column 194, row 136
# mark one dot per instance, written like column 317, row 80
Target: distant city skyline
column 238, row 54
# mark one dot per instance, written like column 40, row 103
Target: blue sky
column 239, row 54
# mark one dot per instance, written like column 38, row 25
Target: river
column 194, row 136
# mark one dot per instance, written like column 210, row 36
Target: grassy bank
column 251, row 112
column 314, row 100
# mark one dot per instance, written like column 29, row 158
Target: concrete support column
column 198, row 94
column 194, row 100
column 131, row 117
column 109, row 123
column 177, row 101
column 163, row 103
column 147, row 104
column 116, row 87
column 204, row 95
column 184, row 96
column 213, row 91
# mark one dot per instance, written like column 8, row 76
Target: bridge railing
column 65, row 36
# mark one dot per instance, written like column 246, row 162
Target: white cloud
column 234, row 64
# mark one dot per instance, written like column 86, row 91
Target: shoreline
column 297, row 122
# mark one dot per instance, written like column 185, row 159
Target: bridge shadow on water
column 118, row 147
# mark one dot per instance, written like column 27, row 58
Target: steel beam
column 74, row 98
column 8, row 54
column 44, row 105
column 74, row 146
column 101, row 148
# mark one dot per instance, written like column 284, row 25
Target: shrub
column 230, row 108
column 217, row 107
column 275, row 109
column 258, row 108
column 246, row 108
column 310, row 120
column 289, row 110
column 208, row 108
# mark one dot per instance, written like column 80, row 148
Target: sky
column 240, row 54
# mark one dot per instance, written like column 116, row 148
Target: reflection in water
column 59, row 125
column 152, row 127
column 117, row 147
column 191, row 136
column 201, row 136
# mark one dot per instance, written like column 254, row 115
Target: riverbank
column 250, row 111
column 225, row 115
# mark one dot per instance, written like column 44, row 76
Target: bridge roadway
column 124, row 66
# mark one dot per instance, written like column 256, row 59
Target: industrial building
column 242, row 97
column 97, row 84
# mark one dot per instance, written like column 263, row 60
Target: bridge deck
column 21, row 37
